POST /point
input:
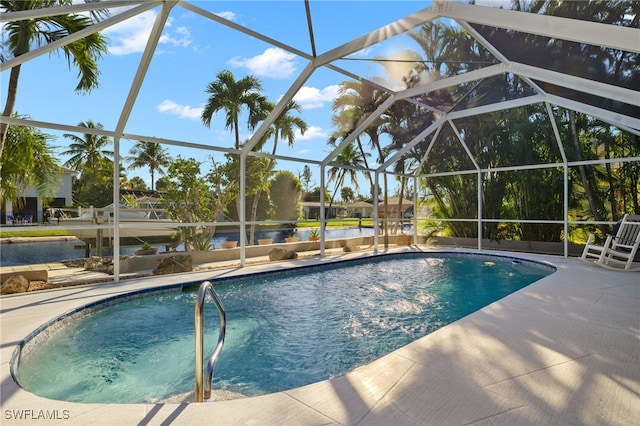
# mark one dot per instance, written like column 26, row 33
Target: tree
column 582, row 60
column 256, row 180
column 161, row 184
column 356, row 101
column 90, row 156
column 186, row 197
column 22, row 36
column 231, row 96
column 89, row 152
column 348, row 157
column 305, row 177
column 191, row 197
column 629, row 189
column 151, row 155
column 285, row 191
column 347, row 194
column 27, row 161
column 284, row 126
column 94, row 187
column 314, row 195
column 137, row 182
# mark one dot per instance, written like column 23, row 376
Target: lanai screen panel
column 587, row 62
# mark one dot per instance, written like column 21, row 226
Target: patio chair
column 10, row 219
column 618, row 250
column 28, row 218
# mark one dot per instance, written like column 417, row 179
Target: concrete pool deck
column 564, row 350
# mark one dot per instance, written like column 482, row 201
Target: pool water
column 283, row 331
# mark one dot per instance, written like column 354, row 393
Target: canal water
column 12, row 254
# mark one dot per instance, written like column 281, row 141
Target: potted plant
column 146, row 249
column 265, row 241
column 292, row 238
column 314, row 235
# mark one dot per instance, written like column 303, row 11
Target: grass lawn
column 41, row 231
column 343, row 222
column 37, row 231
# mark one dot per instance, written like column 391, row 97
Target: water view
column 55, row 251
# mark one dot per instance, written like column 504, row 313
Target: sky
column 192, row 51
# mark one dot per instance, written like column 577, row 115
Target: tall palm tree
column 283, row 127
column 22, row 36
column 355, row 101
column 231, row 96
column 151, row 155
column 349, row 156
column 88, row 152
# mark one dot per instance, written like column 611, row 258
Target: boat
column 142, row 219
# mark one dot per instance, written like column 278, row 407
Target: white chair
column 618, row 250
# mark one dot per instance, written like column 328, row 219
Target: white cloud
column 180, row 38
column 312, row 133
column 132, row 35
column 312, row 97
column 229, row 16
column 273, row 62
column 182, row 111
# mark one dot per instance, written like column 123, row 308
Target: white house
column 34, row 204
column 360, row 209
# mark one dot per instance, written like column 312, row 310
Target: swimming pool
column 283, row 330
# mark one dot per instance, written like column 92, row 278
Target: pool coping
column 580, row 322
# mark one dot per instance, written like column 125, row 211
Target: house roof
column 359, row 205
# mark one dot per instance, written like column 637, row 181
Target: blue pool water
column 283, row 331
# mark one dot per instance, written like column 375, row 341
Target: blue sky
column 192, row 51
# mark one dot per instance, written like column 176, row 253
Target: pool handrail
column 204, row 392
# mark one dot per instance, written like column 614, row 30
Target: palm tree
column 231, row 96
column 26, row 161
column 355, row 101
column 21, row 36
column 350, row 157
column 151, row 155
column 87, row 153
column 283, row 127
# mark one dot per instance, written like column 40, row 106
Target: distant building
column 360, row 209
column 365, row 208
column 392, row 207
column 35, row 204
column 311, row 210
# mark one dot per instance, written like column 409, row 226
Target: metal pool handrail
column 203, row 393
